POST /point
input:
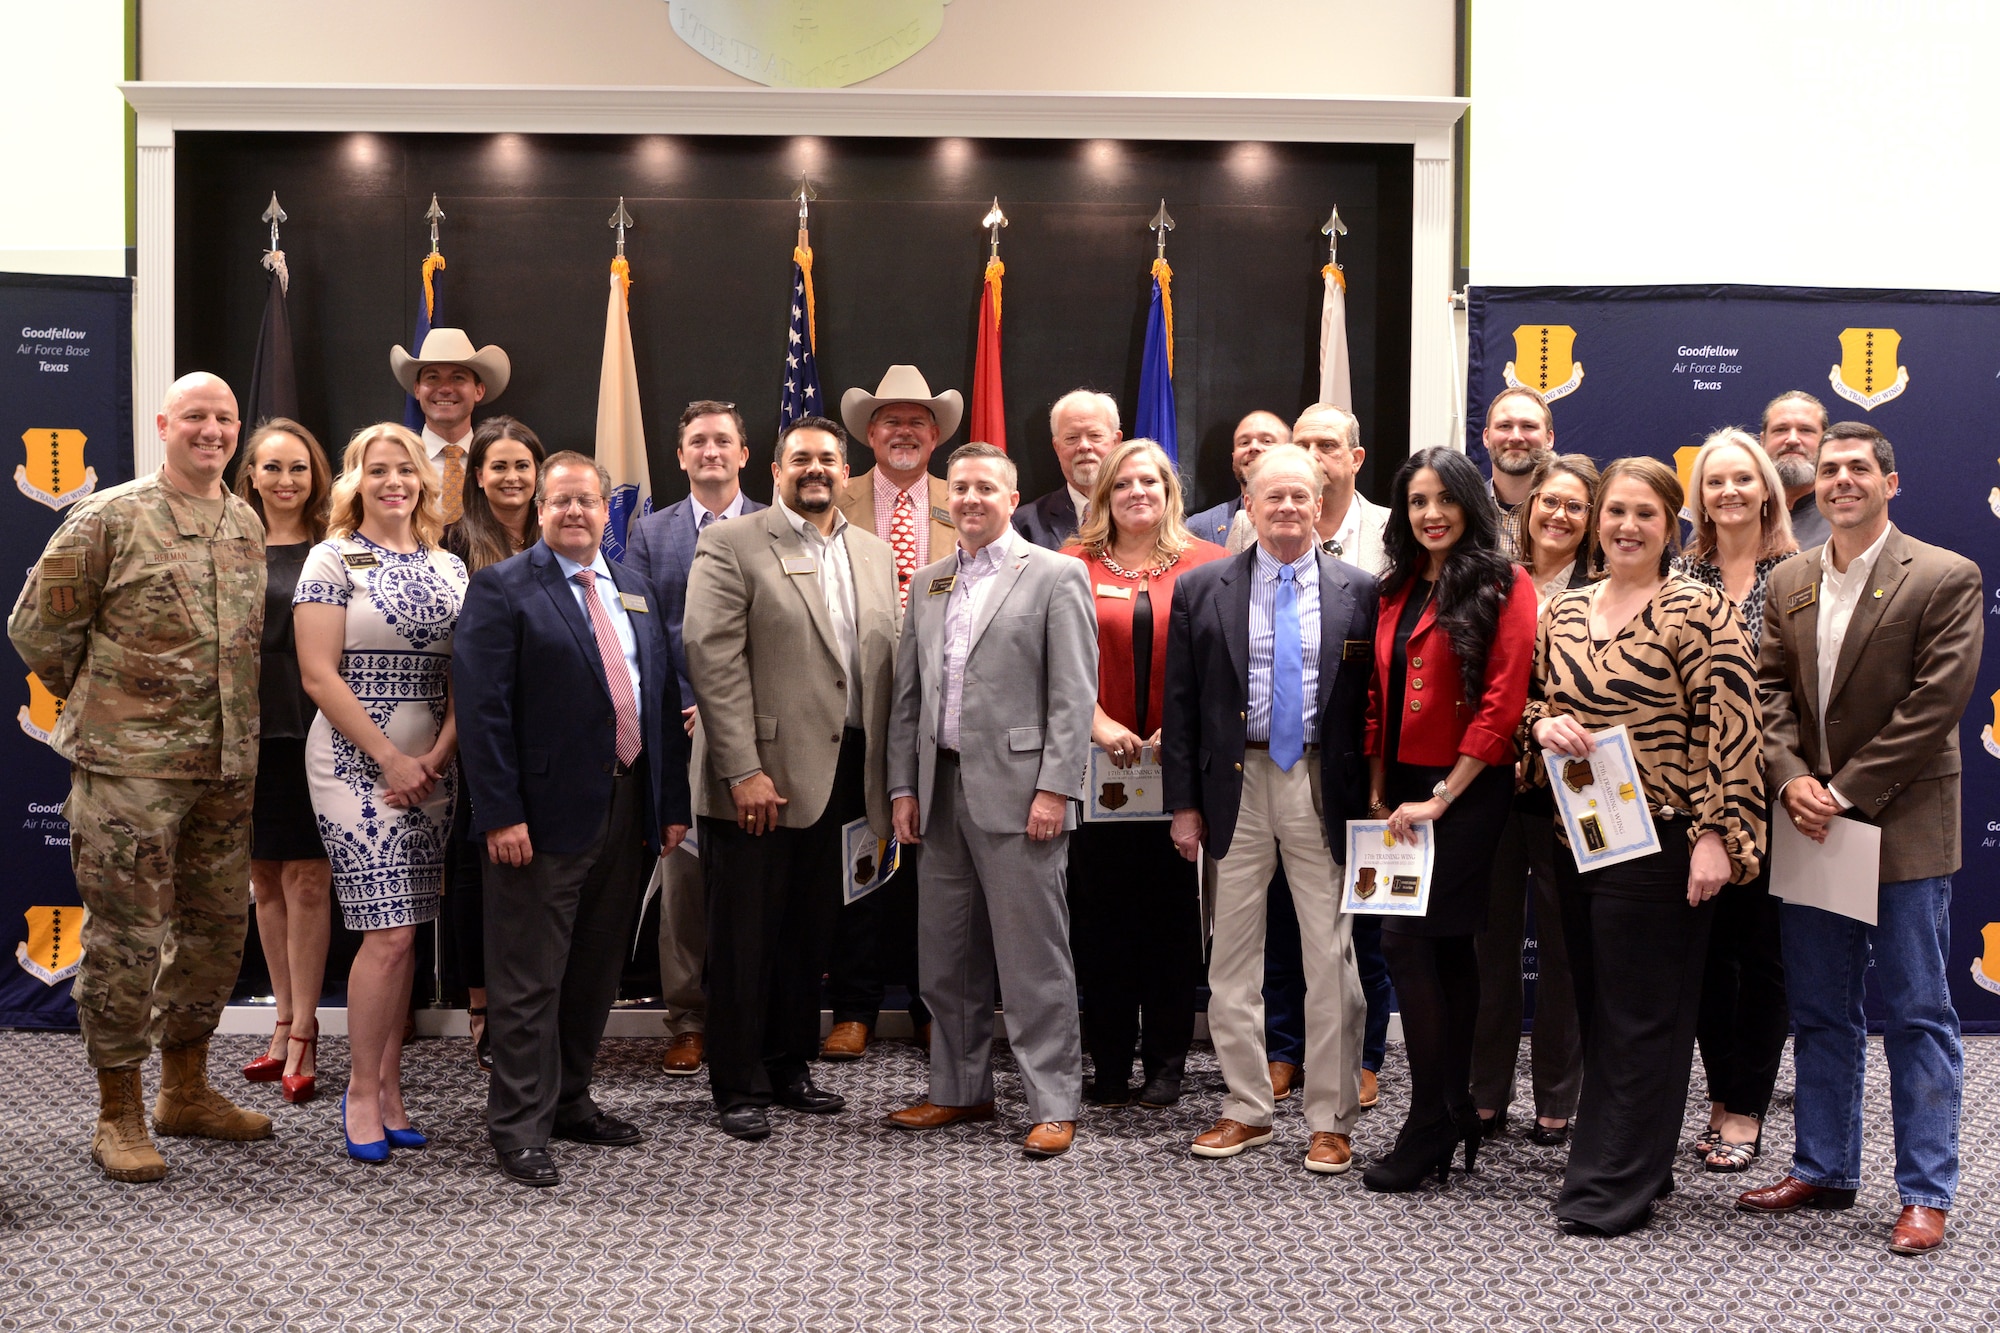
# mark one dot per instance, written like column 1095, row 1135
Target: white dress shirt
column 697, row 511
column 434, row 447
column 1839, row 594
column 1079, row 502
column 607, row 593
column 1264, row 637
column 1347, row 537
column 969, row 591
column 834, row 573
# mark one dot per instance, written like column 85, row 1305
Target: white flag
column 621, row 435
column 1334, row 382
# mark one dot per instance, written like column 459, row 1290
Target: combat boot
column 121, row 1145
column 189, row 1107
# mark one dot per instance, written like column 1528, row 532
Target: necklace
column 1123, row 573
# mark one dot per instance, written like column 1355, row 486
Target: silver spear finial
column 1162, row 223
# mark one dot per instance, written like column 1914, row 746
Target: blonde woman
column 1137, row 922
column 1742, row 531
column 376, row 608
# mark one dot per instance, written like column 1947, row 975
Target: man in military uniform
column 146, row 612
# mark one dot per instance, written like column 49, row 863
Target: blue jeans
column 1826, row 957
column 1285, row 983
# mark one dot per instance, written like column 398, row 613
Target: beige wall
column 1199, row 46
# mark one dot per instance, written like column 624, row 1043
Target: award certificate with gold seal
column 1602, row 803
column 1114, row 795
column 1386, row 877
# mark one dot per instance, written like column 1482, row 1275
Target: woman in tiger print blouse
column 1666, row 658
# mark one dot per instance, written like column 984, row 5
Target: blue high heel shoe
column 378, row 1151
column 406, row 1138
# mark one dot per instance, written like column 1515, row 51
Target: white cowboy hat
column 903, row 384
column 450, row 347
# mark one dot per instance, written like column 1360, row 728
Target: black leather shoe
column 529, row 1166
column 801, row 1095
column 601, row 1130
column 1161, row 1090
column 746, row 1122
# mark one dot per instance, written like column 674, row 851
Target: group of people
column 464, row 701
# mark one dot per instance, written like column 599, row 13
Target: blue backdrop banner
column 1653, row 370
column 66, row 406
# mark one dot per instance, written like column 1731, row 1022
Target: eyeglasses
column 712, row 405
column 1552, row 505
column 562, row 503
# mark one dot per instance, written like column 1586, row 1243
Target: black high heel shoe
column 1418, row 1153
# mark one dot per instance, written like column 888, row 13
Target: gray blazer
column 1030, row 688
column 767, row 677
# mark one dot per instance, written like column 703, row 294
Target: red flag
column 989, row 408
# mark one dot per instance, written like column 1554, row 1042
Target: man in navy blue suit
column 1083, row 428
column 564, row 686
column 1254, row 434
column 1268, row 658
column 712, row 451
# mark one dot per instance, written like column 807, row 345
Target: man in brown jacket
column 1871, row 651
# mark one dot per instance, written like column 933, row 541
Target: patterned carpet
column 840, row 1223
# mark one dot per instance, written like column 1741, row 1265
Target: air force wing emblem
column 38, row 716
column 1986, row 967
column 54, row 945
column 54, row 473
column 1543, row 361
column 1868, row 374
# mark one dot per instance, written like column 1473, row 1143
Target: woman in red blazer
column 1454, row 645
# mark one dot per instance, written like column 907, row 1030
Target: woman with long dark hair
column 1453, row 647
column 497, row 521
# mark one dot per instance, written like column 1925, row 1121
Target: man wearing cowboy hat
column 902, row 503
column 448, row 379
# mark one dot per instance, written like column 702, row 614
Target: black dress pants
column 874, row 946
column 1135, row 927
column 555, row 942
column 1744, row 1015
column 1637, row 952
column 772, row 902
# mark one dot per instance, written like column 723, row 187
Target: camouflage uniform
column 146, row 613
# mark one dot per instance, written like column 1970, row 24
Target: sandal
column 1729, row 1158
column 1705, row 1142
column 482, row 1045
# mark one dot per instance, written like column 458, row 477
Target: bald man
column 145, row 615
column 1254, row 434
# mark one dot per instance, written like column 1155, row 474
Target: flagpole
column 989, row 403
column 1336, row 381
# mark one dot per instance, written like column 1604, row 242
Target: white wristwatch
column 1443, row 792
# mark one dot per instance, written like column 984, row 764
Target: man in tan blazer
column 875, row 941
column 1871, row 653
column 790, row 635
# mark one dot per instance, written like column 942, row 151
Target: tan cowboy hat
column 450, row 347
column 903, row 384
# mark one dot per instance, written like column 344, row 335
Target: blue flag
column 427, row 315
column 801, row 396
column 1155, row 418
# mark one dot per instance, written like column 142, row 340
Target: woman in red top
column 1135, row 903
column 1454, row 646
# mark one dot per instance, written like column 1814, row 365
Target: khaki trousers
column 1279, row 822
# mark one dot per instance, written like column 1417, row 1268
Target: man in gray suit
column 996, row 682
column 712, row 451
column 791, row 645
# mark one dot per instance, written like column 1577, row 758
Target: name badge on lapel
column 800, row 564
column 942, row 584
column 1113, row 590
column 360, row 559
column 1802, row 599
column 633, row 601
column 1352, row 650
column 942, row 516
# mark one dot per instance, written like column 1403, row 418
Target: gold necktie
column 452, row 502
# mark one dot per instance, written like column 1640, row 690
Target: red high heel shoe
column 267, row 1068
column 303, row 1087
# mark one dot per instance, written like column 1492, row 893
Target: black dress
column 1470, row 828
column 282, row 824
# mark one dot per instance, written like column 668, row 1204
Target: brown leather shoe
column 684, row 1054
column 1330, row 1153
column 1050, row 1139
column 1228, row 1138
column 929, row 1115
column 1918, row 1231
column 1371, row 1089
column 847, row 1041
column 1790, row 1195
column 1283, row 1076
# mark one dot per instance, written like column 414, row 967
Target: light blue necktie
column 1288, row 674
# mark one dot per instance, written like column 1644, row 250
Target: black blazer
column 536, row 733
column 1208, row 693
column 1050, row 521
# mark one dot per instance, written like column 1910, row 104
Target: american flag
column 801, row 397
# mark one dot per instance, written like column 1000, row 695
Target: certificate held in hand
column 1602, row 803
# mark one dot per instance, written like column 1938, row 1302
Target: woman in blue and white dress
column 377, row 604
